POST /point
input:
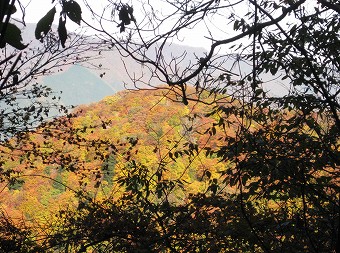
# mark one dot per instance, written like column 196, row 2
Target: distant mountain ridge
column 82, row 85
column 108, row 74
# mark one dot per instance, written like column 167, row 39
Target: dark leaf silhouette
column 62, row 31
column 73, row 11
column 12, row 37
column 44, row 24
column 125, row 16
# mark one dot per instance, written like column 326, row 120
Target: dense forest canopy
column 210, row 160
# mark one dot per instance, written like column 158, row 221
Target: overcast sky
column 36, row 9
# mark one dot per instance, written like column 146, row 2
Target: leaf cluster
column 70, row 9
column 10, row 33
column 125, row 16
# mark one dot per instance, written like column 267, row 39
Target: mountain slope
column 69, row 154
column 108, row 71
column 80, row 86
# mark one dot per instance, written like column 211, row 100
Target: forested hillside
column 59, row 166
column 139, row 157
column 217, row 159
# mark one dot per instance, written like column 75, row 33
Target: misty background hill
column 105, row 75
column 109, row 72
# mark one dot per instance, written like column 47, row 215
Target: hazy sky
column 36, row 9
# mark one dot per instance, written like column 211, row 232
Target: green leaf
column 172, row 156
column 273, row 70
column 44, row 24
column 12, row 37
column 124, row 15
column 62, row 31
column 73, row 11
column 258, row 92
column 6, row 8
column 236, row 25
